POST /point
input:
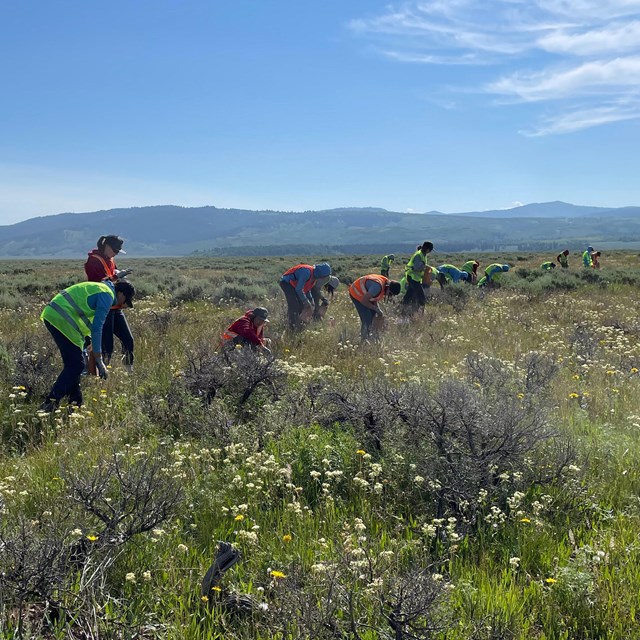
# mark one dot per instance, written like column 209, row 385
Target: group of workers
column 590, row 260
column 84, row 318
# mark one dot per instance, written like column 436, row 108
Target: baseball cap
column 129, row 291
column 115, row 242
column 260, row 312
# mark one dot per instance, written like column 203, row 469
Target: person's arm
column 419, row 264
column 101, row 302
column 302, row 276
column 372, row 289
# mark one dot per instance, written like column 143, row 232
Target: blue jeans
column 68, row 382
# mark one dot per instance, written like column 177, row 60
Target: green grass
column 544, row 545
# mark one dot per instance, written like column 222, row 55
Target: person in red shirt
column 100, row 265
column 248, row 330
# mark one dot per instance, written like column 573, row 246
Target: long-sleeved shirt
column 245, row 328
column 98, row 267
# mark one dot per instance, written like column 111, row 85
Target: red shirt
column 244, row 327
column 98, row 267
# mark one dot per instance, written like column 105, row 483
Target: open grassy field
column 476, row 474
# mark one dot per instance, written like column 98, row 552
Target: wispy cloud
column 556, row 51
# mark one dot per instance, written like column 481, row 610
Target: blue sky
column 453, row 105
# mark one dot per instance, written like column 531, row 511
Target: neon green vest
column 413, row 273
column 69, row 311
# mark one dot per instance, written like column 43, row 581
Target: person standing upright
column 100, row 266
column 587, row 260
column 385, row 264
column 563, row 259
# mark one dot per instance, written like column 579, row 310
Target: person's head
column 259, row 316
column 392, row 256
column 597, row 254
column 553, row 265
column 332, row 284
column 426, row 247
column 110, row 245
column 590, row 249
column 321, row 270
column 125, row 293
column 394, row 288
column 505, row 267
column 565, row 252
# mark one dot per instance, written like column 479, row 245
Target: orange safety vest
column 109, row 267
column 358, row 288
column 308, row 284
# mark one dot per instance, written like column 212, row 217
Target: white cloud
column 616, row 37
column 620, row 74
column 557, row 51
column 584, row 119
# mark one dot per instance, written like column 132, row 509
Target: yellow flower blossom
column 361, row 452
column 92, row 538
column 278, row 574
column 204, row 599
column 286, row 538
column 521, row 395
column 574, row 395
column 239, row 517
column 216, row 588
column 525, row 520
column 550, row 580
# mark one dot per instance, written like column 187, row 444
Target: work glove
column 122, row 273
column 102, row 369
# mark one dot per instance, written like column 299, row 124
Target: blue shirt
column 101, row 302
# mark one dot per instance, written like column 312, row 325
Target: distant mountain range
column 174, row 231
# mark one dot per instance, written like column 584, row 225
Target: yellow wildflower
column 215, row 588
column 278, row 574
column 525, row 520
column 286, row 538
column 361, row 452
column 574, row 395
column 92, row 538
column 239, row 517
column 204, row 599
column 550, row 580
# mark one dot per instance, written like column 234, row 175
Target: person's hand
column 101, row 368
column 122, row 273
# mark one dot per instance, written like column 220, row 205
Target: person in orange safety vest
column 366, row 293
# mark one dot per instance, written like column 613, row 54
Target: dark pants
column 384, row 272
column 116, row 324
column 68, row 382
column 366, row 317
column 414, row 294
column 294, row 305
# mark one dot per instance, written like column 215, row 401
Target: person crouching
column 366, row 293
column 248, row 330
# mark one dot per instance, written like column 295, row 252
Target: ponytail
column 101, row 242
